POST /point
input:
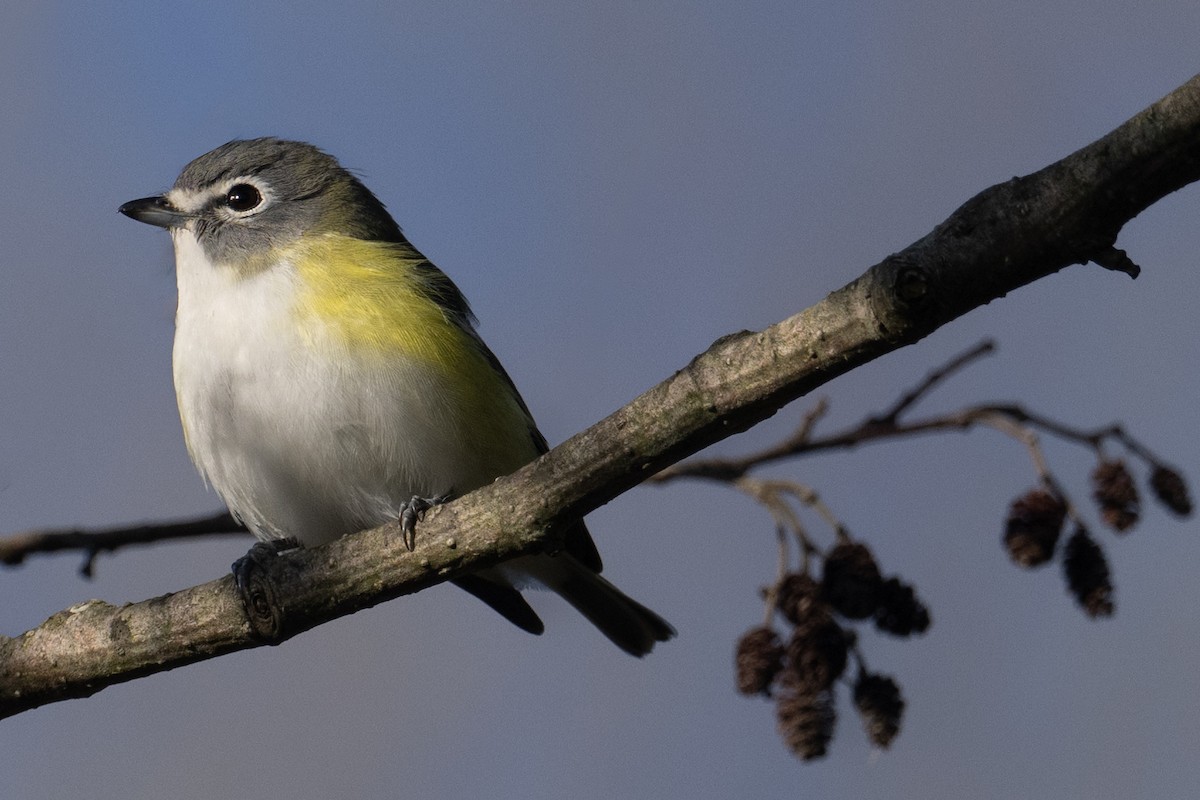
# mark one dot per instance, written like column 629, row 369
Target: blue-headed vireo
column 329, row 376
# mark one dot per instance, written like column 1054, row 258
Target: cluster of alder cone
column 800, row 669
column 1036, row 520
column 801, row 674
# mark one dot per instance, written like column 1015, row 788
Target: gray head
column 249, row 197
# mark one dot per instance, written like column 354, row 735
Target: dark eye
column 243, row 197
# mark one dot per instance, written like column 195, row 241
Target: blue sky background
column 613, row 186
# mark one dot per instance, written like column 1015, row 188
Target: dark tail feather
column 504, row 599
column 627, row 623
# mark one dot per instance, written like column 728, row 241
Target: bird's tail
column 627, row 623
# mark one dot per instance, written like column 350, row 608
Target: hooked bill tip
column 153, row 211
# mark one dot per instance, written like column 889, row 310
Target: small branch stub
column 1118, row 261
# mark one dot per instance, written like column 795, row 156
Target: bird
column 330, row 378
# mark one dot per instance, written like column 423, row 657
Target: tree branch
column 16, row 547
column 1009, row 418
column 1000, row 240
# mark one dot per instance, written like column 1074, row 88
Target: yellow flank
column 369, row 295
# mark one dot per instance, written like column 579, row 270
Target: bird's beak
column 155, row 210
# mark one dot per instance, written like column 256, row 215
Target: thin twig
column 984, row 348
column 772, row 591
column 729, row 469
column 886, row 425
column 15, row 548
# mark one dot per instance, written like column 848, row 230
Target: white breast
column 299, row 436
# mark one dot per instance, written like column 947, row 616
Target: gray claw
column 412, row 512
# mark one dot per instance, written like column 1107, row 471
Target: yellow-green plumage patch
column 373, row 296
column 377, row 300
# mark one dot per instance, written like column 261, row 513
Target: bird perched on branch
column 330, row 378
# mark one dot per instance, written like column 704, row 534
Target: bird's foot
column 412, row 512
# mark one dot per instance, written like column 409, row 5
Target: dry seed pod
column 900, row 612
column 806, row 721
column 1034, row 524
column 881, row 705
column 1170, row 488
column 799, row 598
column 851, row 580
column 1087, row 574
column 816, row 654
column 1114, row 489
column 758, row 660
